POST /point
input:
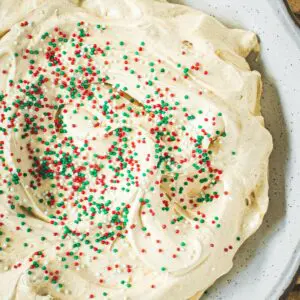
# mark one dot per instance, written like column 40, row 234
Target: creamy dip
column 133, row 154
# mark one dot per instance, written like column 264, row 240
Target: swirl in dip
column 133, row 153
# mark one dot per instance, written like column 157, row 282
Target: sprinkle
column 73, row 180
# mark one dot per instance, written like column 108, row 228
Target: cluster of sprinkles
column 71, row 180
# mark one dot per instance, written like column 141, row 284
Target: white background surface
column 267, row 262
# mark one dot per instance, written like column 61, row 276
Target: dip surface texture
column 133, row 155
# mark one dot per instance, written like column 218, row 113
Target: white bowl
column 266, row 264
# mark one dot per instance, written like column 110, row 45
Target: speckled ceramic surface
column 267, row 262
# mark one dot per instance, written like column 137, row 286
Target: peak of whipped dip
column 133, row 154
